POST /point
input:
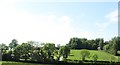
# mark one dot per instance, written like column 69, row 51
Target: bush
column 94, row 57
column 84, row 54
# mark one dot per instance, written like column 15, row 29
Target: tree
column 57, row 55
column 64, row 51
column 23, row 51
column 13, row 44
column 83, row 43
column 100, row 42
column 7, row 56
column 17, row 52
column 91, row 44
column 113, row 46
column 34, row 43
column 74, row 43
column 106, row 47
column 84, row 54
column 3, row 48
column 94, row 57
column 49, row 48
column 58, row 46
column 38, row 56
column 118, row 42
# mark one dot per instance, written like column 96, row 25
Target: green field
column 102, row 56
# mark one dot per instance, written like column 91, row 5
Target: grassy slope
column 102, row 56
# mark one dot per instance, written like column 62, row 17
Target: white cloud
column 85, row 34
column 102, row 25
column 112, row 16
column 110, row 19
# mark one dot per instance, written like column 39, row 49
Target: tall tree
column 75, row 43
column 64, row 51
column 13, row 44
column 49, row 48
column 3, row 48
column 113, row 45
column 100, row 42
column 23, row 50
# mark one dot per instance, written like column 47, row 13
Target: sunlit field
column 102, row 56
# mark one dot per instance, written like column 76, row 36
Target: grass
column 0, row 62
column 20, row 63
column 102, row 56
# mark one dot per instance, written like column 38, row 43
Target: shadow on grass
column 61, row 63
column 71, row 55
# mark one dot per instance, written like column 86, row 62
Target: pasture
column 102, row 56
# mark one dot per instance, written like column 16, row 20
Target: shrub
column 84, row 54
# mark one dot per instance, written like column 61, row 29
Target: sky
column 57, row 21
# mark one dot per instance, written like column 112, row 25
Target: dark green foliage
column 3, row 48
column 74, row 43
column 13, row 44
column 83, row 43
column 49, row 49
column 7, row 56
column 112, row 46
column 64, row 51
column 57, row 55
column 38, row 55
column 23, row 51
column 99, row 42
column 91, row 44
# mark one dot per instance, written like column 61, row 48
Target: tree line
column 112, row 46
column 31, row 51
column 48, row 52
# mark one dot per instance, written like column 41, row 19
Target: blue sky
column 57, row 22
